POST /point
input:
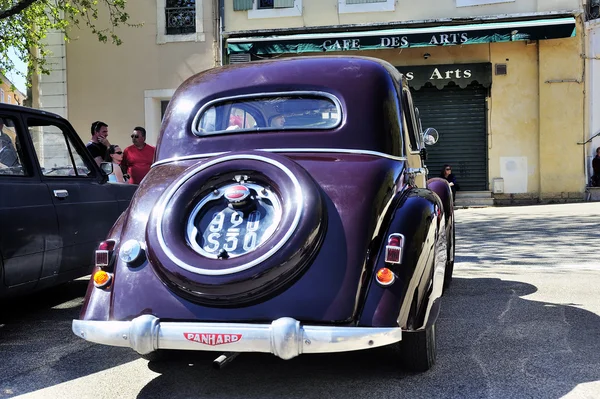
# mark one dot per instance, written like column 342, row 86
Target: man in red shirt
column 137, row 158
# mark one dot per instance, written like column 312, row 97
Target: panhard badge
column 237, row 193
column 212, row 339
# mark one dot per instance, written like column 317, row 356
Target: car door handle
column 61, row 193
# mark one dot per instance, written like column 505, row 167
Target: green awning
column 539, row 29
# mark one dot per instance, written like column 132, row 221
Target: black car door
column 29, row 241
column 85, row 206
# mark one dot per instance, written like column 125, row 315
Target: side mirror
column 430, row 136
column 107, row 167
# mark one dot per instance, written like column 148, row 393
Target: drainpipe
column 586, row 93
column 221, row 30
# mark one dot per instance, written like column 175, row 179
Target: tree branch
column 17, row 8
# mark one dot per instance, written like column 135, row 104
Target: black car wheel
column 450, row 260
column 236, row 228
column 418, row 349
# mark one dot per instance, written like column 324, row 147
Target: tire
column 418, row 350
column 450, row 260
column 246, row 279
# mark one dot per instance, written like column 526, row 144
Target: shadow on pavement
column 491, row 344
column 38, row 348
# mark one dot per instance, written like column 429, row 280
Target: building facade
column 502, row 80
column 128, row 85
column 8, row 93
column 592, row 67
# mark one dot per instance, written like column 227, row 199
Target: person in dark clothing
column 446, row 173
column 8, row 152
column 98, row 144
column 595, row 179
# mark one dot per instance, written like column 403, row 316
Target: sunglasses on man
column 135, row 136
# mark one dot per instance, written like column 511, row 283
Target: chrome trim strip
column 278, row 150
column 162, row 205
column 196, row 120
column 284, row 337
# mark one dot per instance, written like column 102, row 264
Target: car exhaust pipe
column 224, row 359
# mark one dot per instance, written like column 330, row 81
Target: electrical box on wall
column 498, row 185
column 501, row 69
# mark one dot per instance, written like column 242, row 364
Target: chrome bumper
column 285, row 337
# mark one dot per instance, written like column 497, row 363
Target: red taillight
column 104, row 253
column 394, row 241
column 393, row 249
column 107, row 245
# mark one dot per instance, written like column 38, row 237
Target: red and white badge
column 237, row 193
column 212, row 339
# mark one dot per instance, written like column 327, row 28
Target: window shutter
column 242, row 5
column 365, row 1
column 283, row 3
column 239, row 58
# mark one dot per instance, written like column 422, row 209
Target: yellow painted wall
column 325, row 12
column 513, row 123
column 561, row 116
column 107, row 82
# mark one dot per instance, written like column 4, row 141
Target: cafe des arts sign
column 395, row 42
column 403, row 38
column 441, row 75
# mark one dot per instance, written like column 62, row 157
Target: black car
column 56, row 204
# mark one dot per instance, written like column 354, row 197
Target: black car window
column 55, row 151
column 11, row 155
column 277, row 111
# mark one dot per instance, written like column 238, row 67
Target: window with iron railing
column 180, row 17
column 243, row 5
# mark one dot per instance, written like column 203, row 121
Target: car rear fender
column 442, row 189
column 96, row 305
column 418, row 216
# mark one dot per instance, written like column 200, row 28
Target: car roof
column 21, row 109
column 363, row 86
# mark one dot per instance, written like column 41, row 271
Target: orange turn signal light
column 101, row 278
column 385, row 276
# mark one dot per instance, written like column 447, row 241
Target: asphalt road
column 521, row 320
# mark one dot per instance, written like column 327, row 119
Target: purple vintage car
column 288, row 212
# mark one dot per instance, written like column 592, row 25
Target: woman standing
column 115, row 156
column 447, row 174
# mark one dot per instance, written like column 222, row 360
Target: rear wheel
column 418, row 349
column 450, row 260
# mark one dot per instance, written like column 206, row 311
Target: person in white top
column 115, row 156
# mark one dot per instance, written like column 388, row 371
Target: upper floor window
column 468, row 3
column 9, row 99
column 180, row 16
column 353, row 6
column 269, row 4
column 269, row 8
column 179, row 21
column 1, row 96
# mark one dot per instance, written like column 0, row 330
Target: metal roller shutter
column 459, row 115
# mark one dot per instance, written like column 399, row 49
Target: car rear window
column 269, row 112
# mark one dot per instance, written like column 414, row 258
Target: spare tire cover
column 236, row 228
